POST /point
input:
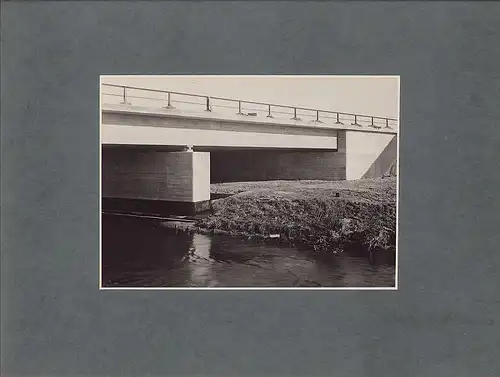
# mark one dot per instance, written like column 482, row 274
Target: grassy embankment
column 324, row 215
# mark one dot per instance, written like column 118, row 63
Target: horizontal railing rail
column 269, row 108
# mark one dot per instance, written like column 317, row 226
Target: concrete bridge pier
column 154, row 181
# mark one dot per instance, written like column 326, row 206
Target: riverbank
column 328, row 216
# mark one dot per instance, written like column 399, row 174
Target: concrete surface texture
column 368, row 155
column 137, row 126
column 261, row 165
column 151, row 174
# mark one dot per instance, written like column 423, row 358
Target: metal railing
column 126, row 93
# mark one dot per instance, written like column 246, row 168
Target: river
column 144, row 253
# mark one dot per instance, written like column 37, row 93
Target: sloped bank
column 328, row 216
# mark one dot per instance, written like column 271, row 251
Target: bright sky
column 371, row 95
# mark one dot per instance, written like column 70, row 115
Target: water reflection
column 143, row 253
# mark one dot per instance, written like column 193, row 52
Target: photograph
column 250, row 188
column 249, row 182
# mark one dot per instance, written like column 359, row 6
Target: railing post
column 372, row 125
column 317, row 117
column 169, row 103
column 269, row 111
column 295, row 114
column 125, row 102
column 208, row 105
column 239, row 108
column 338, row 120
column 355, row 121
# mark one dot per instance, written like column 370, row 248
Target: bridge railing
column 121, row 94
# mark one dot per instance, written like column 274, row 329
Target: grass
column 324, row 215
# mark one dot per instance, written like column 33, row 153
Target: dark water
column 143, row 253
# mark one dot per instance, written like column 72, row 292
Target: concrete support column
column 153, row 181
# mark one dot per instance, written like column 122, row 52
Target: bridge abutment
column 369, row 154
column 153, row 181
column 359, row 155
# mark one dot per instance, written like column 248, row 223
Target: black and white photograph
column 249, row 181
column 250, row 188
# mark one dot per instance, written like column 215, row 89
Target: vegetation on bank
column 325, row 215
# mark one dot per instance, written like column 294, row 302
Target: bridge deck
column 133, row 125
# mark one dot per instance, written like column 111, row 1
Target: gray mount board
column 443, row 320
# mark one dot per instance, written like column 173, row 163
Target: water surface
column 144, row 253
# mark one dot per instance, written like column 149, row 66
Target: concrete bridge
column 162, row 149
